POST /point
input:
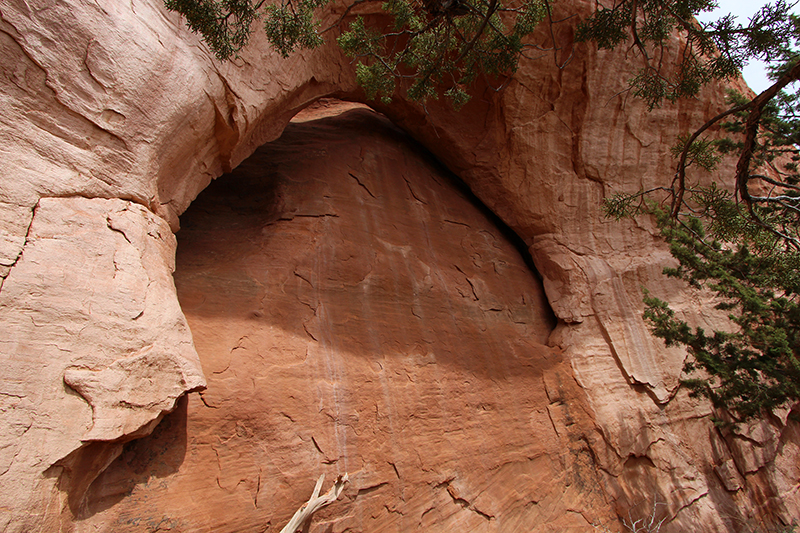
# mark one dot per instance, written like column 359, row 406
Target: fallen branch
column 315, row 503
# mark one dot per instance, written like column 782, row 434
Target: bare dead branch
column 316, row 502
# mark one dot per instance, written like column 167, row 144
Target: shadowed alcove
column 357, row 310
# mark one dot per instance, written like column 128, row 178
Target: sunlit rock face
column 115, row 117
column 356, row 311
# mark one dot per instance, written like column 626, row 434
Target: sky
column 754, row 73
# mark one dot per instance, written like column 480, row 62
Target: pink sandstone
column 115, row 117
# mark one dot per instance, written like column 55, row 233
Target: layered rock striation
column 355, row 312
column 115, row 118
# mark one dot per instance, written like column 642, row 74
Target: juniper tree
column 741, row 238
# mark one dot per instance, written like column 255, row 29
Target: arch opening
column 356, row 310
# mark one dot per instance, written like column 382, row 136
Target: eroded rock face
column 355, row 312
column 113, row 108
column 100, row 347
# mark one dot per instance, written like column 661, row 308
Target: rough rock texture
column 354, row 312
column 112, row 113
column 95, row 347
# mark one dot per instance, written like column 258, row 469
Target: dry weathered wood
column 316, row 502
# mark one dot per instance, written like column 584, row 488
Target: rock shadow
column 345, row 224
column 142, row 462
column 356, row 310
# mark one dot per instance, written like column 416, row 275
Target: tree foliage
column 226, row 25
column 435, row 46
column 717, row 50
column 445, row 44
column 767, row 124
column 741, row 239
column 755, row 368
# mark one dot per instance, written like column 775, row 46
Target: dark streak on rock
column 361, row 184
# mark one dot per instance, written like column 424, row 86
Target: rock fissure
column 308, row 331
column 634, row 383
column 456, row 222
column 110, row 225
column 413, row 193
column 205, row 401
column 371, row 488
column 293, row 216
column 9, row 267
column 361, row 184
column 469, row 282
column 688, row 505
column 463, row 503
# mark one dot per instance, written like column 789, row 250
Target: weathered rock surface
column 113, row 113
column 354, row 312
column 95, row 347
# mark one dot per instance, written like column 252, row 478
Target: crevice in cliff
column 293, row 216
column 396, row 472
column 462, row 502
column 372, row 488
column 9, row 267
column 685, row 506
column 413, row 193
column 205, row 401
column 635, row 384
column 361, row 184
column 305, row 327
column 470, row 283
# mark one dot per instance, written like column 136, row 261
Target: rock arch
column 115, row 118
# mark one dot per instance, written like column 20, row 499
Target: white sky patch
column 754, row 73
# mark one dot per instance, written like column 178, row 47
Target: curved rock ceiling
column 355, row 312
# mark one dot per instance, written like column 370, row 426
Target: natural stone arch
column 134, row 118
column 350, row 306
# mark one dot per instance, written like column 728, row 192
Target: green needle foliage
column 226, row 25
column 755, row 368
column 445, row 45
column 717, row 50
column 291, row 25
column 741, row 241
column 437, row 46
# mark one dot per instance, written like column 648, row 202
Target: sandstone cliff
column 353, row 310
